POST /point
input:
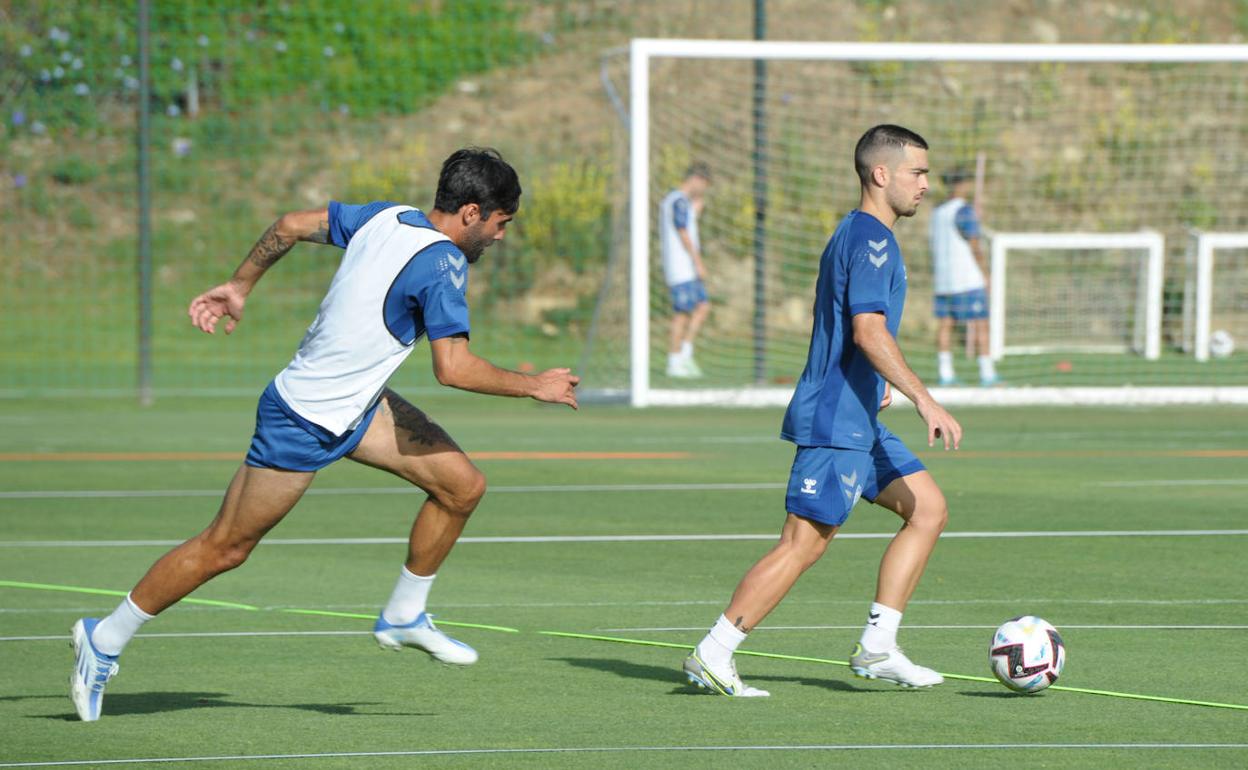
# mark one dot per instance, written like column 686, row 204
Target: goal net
column 1069, row 141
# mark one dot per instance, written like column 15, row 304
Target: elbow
column 444, row 376
column 287, row 228
column 448, row 376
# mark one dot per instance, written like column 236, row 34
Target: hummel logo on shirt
column 878, row 259
column 458, row 279
column 808, row 486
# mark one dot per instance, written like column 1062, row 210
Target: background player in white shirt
column 683, row 269
column 403, row 276
column 959, row 278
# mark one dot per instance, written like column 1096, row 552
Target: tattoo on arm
column 321, row 235
column 270, row 248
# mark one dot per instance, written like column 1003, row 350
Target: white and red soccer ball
column 1027, row 654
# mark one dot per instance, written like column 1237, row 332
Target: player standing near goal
column 683, row 267
column 843, row 452
column 958, row 268
column 403, row 276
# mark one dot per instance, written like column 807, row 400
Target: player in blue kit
column 403, row 276
column 843, row 452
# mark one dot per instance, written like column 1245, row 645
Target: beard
column 904, row 206
column 475, row 247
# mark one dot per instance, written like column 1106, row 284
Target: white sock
column 686, row 350
column 720, row 642
column 408, row 599
column 113, row 632
column 944, row 359
column 880, row 633
column 987, row 371
column 674, row 360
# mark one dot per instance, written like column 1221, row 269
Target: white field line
column 246, row 634
column 875, row 747
column 75, row 494
column 511, row 539
column 138, row 494
column 1012, row 601
column 908, row 627
column 1171, row 483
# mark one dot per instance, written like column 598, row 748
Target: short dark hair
column 955, row 175
column 477, row 175
column 881, row 137
column 698, row 168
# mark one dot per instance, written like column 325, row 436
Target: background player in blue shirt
column 843, row 452
column 403, row 276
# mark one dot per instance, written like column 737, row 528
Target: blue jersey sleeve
column 428, row 295
column 345, row 219
column 871, row 265
column 967, row 223
column 680, row 213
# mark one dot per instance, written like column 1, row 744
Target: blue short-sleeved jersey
column 838, row 396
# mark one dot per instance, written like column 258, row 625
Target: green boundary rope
column 612, row 639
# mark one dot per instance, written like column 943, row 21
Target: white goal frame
column 1198, row 293
column 1146, row 327
column 643, row 50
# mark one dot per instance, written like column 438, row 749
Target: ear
column 470, row 213
column 879, row 175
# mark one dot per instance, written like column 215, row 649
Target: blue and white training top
column 676, row 213
column 400, row 279
column 954, row 269
column 837, row 399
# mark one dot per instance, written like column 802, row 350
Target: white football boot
column 725, row 682
column 422, row 634
column 891, row 666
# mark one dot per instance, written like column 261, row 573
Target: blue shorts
column 288, row 442
column 826, row 482
column 688, row 295
column 968, row 306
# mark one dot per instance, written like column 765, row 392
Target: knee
column 804, row 552
column 225, row 555
column 465, row 493
column 930, row 517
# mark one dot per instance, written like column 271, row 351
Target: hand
column 940, row 424
column 209, row 307
column 556, row 386
column 888, row 397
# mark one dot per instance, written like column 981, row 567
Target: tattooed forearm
column 322, row 233
column 270, row 248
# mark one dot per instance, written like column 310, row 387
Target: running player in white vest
column 403, row 276
column 683, row 268
column 959, row 283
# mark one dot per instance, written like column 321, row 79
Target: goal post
column 1144, row 304
column 1118, row 142
column 1204, row 246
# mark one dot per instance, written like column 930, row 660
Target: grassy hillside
column 295, row 104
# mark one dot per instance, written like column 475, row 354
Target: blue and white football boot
column 92, row 670
column 422, row 634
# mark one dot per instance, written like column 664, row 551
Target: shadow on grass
column 670, row 675
column 122, row 704
column 1001, row 694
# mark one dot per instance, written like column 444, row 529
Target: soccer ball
column 1026, row 654
column 1221, row 343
